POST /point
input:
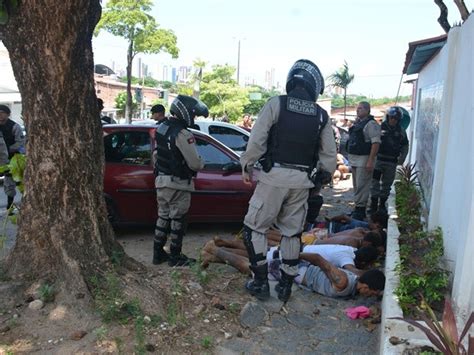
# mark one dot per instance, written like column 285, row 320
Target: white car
column 235, row 137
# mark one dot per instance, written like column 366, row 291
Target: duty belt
column 292, row 166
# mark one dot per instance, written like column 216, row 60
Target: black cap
column 157, row 108
column 5, row 109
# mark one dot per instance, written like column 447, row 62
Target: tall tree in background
column 131, row 20
column 220, row 92
column 64, row 235
column 342, row 79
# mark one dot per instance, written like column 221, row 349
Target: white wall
column 452, row 202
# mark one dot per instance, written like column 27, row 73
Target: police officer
column 362, row 146
column 158, row 113
column 14, row 140
column 393, row 150
column 177, row 162
column 290, row 137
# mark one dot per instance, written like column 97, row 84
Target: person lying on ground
column 342, row 168
column 378, row 220
column 354, row 240
column 233, row 252
column 320, row 276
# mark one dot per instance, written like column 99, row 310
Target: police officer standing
column 158, row 113
column 393, row 150
column 15, row 141
column 291, row 137
column 177, row 162
column 362, row 146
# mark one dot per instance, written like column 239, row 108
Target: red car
column 129, row 187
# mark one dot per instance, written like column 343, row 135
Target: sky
column 371, row 35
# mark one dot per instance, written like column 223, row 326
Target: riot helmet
column 394, row 112
column 187, row 107
column 307, row 74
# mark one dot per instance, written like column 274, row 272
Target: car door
column 128, row 178
column 220, row 194
column 234, row 139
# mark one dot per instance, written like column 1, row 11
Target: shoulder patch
column 191, row 140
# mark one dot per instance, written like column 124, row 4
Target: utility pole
column 238, row 62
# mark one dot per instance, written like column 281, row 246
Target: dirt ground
column 201, row 310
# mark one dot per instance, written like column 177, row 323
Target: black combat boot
column 374, row 203
column 180, row 260
column 382, row 206
column 359, row 213
column 159, row 254
column 259, row 286
column 283, row 287
column 176, row 258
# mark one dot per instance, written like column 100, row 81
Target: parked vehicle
column 235, row 137
column 129, row 189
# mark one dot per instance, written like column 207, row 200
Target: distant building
column 269, row 79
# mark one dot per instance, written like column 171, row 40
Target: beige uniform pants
column 173, row 205
column 284, row 208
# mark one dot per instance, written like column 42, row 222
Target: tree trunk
column 462, row 9
column 129, row 102
column 443, row 16
column 64, row 233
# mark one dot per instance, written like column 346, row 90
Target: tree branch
column 462, row 9
column 443, row 17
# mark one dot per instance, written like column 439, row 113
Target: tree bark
column 63, row 232
column 443, row 16
column 462, row 9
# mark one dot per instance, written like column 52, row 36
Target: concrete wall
column 452, row 203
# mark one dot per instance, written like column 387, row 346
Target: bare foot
column 210, row 247
column 207, row 258
column 219, row 242
column 207, row 254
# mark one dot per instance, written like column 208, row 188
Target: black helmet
column 306, row 73
column 394, row 111
column 187, row 107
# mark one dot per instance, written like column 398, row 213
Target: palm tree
column 341, row 79
column 199, row 65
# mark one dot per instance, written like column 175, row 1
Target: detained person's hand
column 369, row 166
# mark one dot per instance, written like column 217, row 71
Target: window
column 128, row 148
column 230, row 137
column 213, row 157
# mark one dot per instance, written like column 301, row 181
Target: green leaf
column 17, row 166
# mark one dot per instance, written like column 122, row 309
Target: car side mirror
column 231, row 168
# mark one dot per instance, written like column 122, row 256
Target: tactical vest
column 294, row 139
column 391, row 144
column 8, row 136
column 356, row 143
column 170, row 160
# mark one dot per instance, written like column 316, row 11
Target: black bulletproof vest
column 356, row 144
column 392, row 138
column 294, row 139
column 169, row 160
column 8, row 136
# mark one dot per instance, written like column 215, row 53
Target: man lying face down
column 338, row 278
column 319, row 275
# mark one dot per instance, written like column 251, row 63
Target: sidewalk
column 310, row 323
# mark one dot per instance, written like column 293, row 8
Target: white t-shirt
column 338, row 255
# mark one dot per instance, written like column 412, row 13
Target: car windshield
column 232, row 138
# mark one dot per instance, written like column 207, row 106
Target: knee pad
column 254, row 258
column 162, row 226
